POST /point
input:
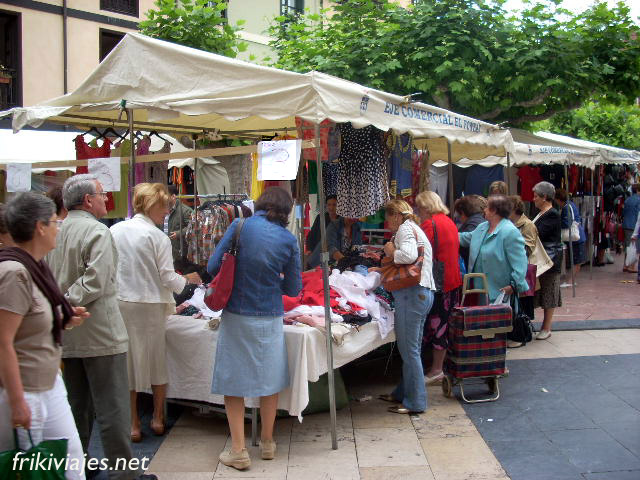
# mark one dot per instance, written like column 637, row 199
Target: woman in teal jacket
column 496, row 249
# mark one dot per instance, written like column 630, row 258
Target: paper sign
column 108, row 172
column 18, row 177
column 278, row 160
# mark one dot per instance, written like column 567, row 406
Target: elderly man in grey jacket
column 95, row 353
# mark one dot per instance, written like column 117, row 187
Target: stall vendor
column 341, row 236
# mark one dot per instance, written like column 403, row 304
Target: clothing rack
column 210, row 196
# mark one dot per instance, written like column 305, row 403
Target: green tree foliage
column 194, row 23
column 615, row 125
column 471, row 56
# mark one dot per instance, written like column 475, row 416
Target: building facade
column 48, row 47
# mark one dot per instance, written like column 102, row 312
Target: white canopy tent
column 180, row 90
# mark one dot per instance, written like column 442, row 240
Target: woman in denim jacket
column 251, row 353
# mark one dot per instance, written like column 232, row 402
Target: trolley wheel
column 492, row 383
column 447, row 386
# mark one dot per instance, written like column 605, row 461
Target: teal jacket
column 504, row 259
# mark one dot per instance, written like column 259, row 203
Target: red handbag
column 219, row 290
column 396, row 277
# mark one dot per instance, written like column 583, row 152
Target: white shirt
column 407, row 251
column 145, row 268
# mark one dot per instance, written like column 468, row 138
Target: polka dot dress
column 362, row 173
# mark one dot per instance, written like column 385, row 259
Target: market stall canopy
column 608, row 153
column 190, row 91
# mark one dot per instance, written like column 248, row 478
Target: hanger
column 154, row 132
column 93, row 131
column 115, row 134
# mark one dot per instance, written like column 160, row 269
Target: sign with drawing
column 18, row 177
column 279, row 160
column 108, row 172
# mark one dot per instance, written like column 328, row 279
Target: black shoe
column 148, row 476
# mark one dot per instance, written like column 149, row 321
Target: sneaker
column 267, row 449
column 543, row 335
column 238, row 460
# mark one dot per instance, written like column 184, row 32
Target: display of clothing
column 480, row 178
column 529, row 176
column 420, row 174
column 257, row 186
column 439, row 181
column 120, row 199
column 401, row 166
column 86, row 151
column 362, row 179
column 204, row 234
column 330, row 178
column 553, row 174
column 329, row 139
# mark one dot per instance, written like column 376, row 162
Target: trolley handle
column 465, row 286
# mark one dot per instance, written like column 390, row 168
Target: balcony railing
column 8, row 88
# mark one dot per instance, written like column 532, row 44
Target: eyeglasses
column 102, row 194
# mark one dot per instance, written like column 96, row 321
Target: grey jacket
column 174, row 226
column 84, row 264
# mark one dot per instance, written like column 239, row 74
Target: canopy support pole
column 592, row 250
column 325, row 284
column 508, row 174
column 450, row 175
column 570, row 221
column 132, row 163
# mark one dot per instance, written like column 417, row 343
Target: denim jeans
column 412, row 306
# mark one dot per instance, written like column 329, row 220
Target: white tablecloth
column 191, row 348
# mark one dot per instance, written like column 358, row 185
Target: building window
column 126, row 7
column 223, row 13
column 108, row 41
column 291, row 7
column 10, row 61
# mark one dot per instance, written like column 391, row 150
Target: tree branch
column 544, row 116
column 535, row 101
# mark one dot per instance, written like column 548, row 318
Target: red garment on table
column 448, row 248
column 529, row 176
column 312, row 294
column 84, row 152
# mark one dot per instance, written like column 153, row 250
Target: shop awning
column 183, row 90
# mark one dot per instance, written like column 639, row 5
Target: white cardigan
column 407, row 250
column 145, row 266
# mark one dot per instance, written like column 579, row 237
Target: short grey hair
column 23, row 211
column 76, row 187
column 545, row 190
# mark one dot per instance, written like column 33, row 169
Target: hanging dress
column 362, row 172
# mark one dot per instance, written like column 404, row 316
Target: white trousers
column 51, row 419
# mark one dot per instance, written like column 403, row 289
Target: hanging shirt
column 480, row 178
column 439, row 181
column 401, row 166
column 85, row 151
column 529, row 177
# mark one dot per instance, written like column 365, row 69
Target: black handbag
column 522, row 327
column 437, row 265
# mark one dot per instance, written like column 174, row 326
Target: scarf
column 43, row 278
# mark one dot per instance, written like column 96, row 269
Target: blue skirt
column 251, row 356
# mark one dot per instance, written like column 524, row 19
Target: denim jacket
column 265, row 251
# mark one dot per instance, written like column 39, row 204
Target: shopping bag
column 398, row 276
column 632, row 255
column 45, row 461
column 219, row 290
column 522, row 327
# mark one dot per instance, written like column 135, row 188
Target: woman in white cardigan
column 146, row 280
column 412, row 306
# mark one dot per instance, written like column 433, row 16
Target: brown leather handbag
column 398, row 276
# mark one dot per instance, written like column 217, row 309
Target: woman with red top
column 432, row 213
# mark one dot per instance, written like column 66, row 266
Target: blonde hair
column 431, row 203
column 401, row 207
column 146, row 195
column 498, row 188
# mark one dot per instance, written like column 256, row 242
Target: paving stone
column 503, row 422
column 626, row 433
column 593, row 450
column 538, row 459
column 462, row 458
column 396, row 473
column 630, row 394
column 374, row 414
column 604, row 407
column 191, row 453
column 183, row 475
column 384, row 447
column 559, row 415
column 310, row 461
column 621, row 475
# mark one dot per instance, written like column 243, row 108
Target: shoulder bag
column 571, row 234
column 219, row 290
column 396, row 277
column 554, row 251
column 438, row 266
